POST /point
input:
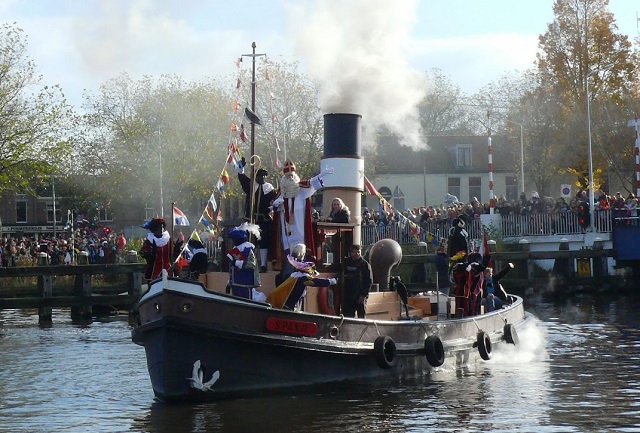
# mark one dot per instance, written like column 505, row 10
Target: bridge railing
column 512, row 226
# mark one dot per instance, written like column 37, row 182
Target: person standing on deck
column 357, row 283
column 263, row 195
column 243, row 266
column 294, row 209
column 155, row 248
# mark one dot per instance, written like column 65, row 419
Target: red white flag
column 484, row 248
column 370, row 188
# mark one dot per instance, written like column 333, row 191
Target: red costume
column 155, row 248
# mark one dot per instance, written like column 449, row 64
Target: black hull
column 226, row 335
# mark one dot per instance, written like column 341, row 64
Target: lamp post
column 521, row 152
column 589, row 154
column 53, row 192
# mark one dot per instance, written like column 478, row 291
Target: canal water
column 577, row 370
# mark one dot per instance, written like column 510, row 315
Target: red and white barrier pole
column 637, row 156
column 492, row 200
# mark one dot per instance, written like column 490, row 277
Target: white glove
column 326, row 171
column 332, row 281
column 277, row 202
column 239, row 264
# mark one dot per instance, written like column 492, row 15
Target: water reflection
column 578, row 366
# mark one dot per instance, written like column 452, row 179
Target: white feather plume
column 254, row 229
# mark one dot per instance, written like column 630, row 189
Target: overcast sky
column 81, row 43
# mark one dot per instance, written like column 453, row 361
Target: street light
column 521, row 152
column 284, row 135
column 589, row 154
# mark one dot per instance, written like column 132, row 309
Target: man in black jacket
column 357, row 282
column 263, row 195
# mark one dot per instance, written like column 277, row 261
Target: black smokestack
column 342, row 135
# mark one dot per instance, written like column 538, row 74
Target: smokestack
column 342, row 152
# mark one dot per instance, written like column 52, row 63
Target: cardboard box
column 421, row 302
column 383, row 306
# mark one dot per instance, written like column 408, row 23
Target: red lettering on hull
column 292, row 327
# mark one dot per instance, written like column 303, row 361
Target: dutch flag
column 179, row 218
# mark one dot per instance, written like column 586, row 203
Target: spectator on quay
column 560, row 205
column 631, row 207
column 121, row 243
column 535, row 205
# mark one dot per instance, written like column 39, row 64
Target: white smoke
column 358, row 50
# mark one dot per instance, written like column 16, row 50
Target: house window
column 475, row 188
column 453, row 186
column 463, row 155
column 21, row 210
column 512, row 188
column 50, row 214
column 104, row 215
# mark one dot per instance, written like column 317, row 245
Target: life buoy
column 325, row 301
column 434, row 350
column 385, row 350
column 484, row 345
column 510, row 334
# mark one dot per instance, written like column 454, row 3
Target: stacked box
column 383, row 306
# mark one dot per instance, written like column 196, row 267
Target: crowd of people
column 535, row 204
column 97, row 245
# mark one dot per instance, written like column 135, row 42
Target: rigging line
column 274, row 117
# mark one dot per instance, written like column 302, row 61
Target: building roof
column 441, row 156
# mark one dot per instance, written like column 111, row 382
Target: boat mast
column 253, row 119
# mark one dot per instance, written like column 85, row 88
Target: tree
column 151, row 135
column 34, row 121
column 582, row 48
column 284, row 93
column 441, row 111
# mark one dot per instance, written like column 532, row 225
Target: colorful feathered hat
column 242, row 231
column 153, row 224
column 301, row 266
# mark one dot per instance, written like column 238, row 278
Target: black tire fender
column 434, row 350
column 385, row 351
column 510, row 334
column 484, row 345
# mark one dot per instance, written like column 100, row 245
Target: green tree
column 581, row 49
column 286, row 102
column 141, row 137
column 35, row 120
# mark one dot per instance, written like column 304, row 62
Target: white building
column 458, row 165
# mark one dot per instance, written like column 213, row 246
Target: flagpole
column 173, row 218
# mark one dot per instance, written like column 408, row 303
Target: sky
column 367, row 53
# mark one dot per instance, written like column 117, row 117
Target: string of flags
column 415, row 230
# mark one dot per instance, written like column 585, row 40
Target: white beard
column 290, row 187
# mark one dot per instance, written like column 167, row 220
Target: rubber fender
column 385, row 351
column 484, row 345
column 510, row 334
column 434, row 350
